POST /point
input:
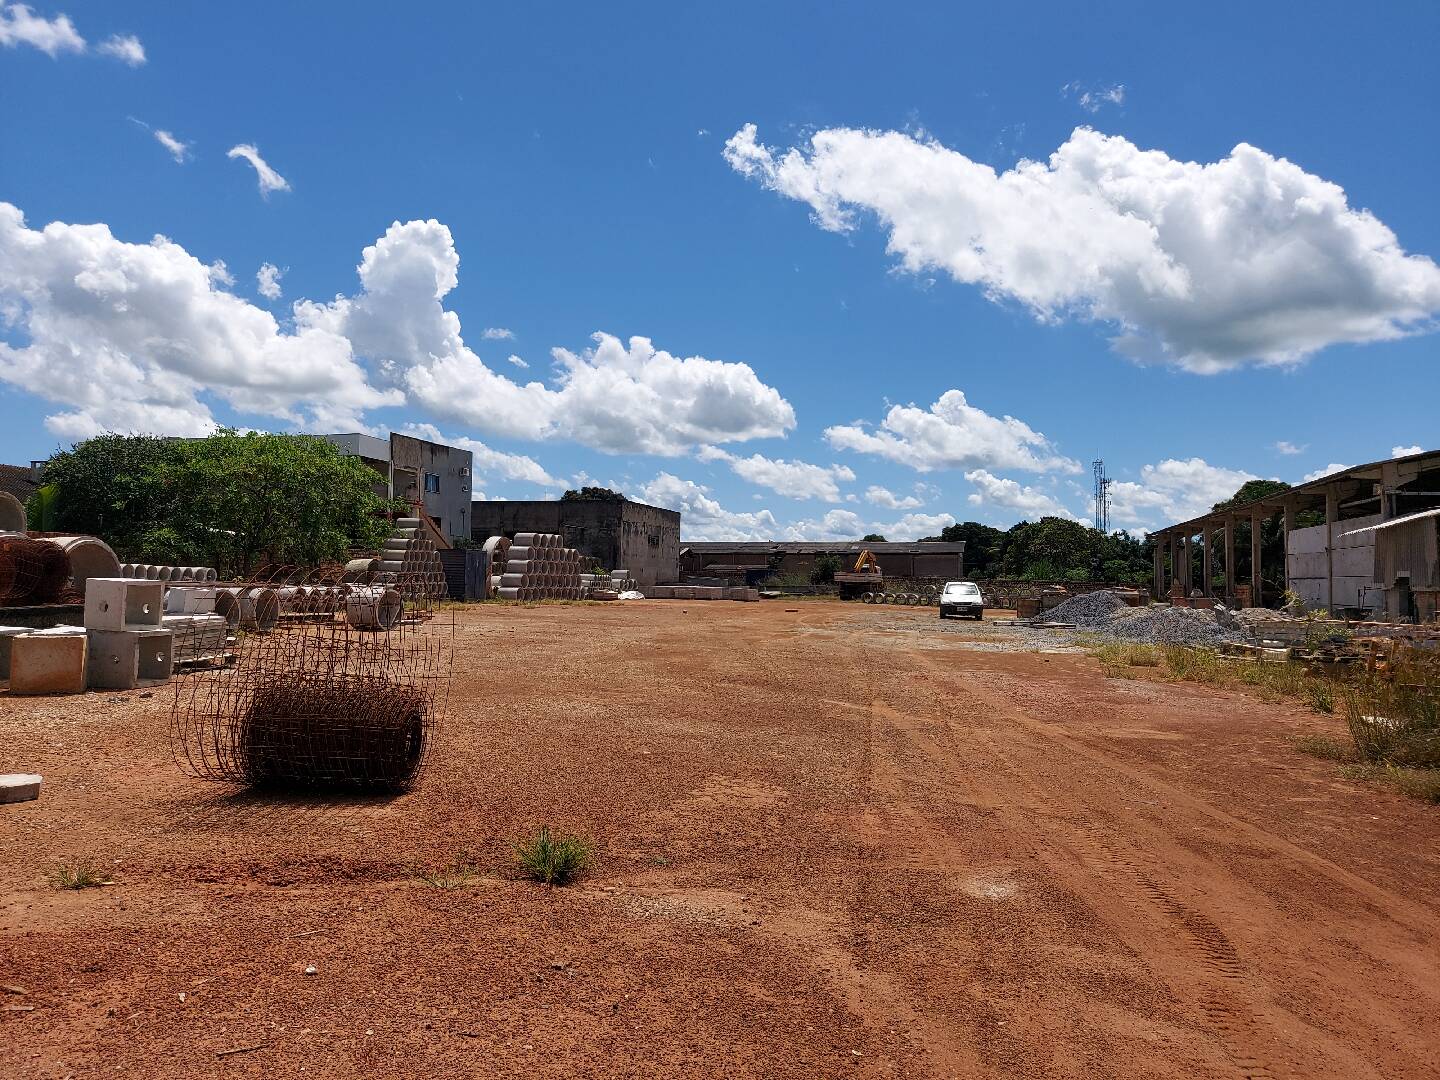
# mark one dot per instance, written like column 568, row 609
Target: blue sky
column 893, row 301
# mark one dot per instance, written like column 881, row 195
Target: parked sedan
column 961, row 598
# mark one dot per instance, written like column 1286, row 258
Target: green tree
column 872, row 538
column 40, row 508
column 245, row 499
column 108, row 487
column 228, row 501
column 604, row 494
column 824, row 569
column 984, row 546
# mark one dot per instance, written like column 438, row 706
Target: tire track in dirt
column 1221, row 1000
column 1227, row 1001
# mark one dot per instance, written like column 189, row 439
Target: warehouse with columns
column 1375, row 552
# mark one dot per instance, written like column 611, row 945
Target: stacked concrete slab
column 701, row 592
column 539, row 567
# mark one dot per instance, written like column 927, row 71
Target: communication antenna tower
column 1102, row 498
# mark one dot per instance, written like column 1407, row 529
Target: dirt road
column 832, row 841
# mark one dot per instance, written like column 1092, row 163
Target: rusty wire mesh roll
column 318, row 730
column 318, row 704
column 38, row 570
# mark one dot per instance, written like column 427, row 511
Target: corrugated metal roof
column 1419, row 515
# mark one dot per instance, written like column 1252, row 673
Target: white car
column 962, row 598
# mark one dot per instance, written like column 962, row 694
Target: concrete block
column 121, row 603
column 126, row 659
column 194, row 600
column 19, row 787
column 47, row 663
column 7, row 634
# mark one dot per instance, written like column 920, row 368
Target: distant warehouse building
column 617, row 534
column 939, row 561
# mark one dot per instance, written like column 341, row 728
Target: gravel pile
column 1105, row 613
column 1086, row 610
column 1169, row 626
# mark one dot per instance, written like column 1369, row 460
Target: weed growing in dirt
column 1394, row 725
column 457, row 875
column 1118, row 660
column 1325, row 746
column 551, row 858
column 78, row 875
column 1423, row 784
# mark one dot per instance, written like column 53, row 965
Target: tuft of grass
column 1422, row 784
column 550, row 858
column 1324, row 746
column 457, row 875
column 1118, row 658
column 81, row 874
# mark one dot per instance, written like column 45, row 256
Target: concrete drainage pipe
column 373, row 608
column 89, row 557
column 12, row 513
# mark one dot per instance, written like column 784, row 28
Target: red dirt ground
column 831, row 842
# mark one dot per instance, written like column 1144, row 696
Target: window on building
column 574, row 536
column 432, row 483
column 654, row 539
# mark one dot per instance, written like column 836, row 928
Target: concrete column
column 1207, row 536
column 1332, row 515
column 1389, row 481
column 1186, row 579
column 1157, row 584
column 1287, row 527
column 1230, row 581
column 1256, row 521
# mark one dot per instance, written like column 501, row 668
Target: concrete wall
column 619, row 536
column 944, row 566
column 1307, row 570
column 413, row 460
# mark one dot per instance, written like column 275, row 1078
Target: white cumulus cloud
column 1406, row 451
column 1173, row 490
column 1205, row 266
column 136, row 337
column 1288, row 448
column 618, row 397
column 517, row 361
column 489, row 462
column 267, row 281
column 701, row 516
column 952, row 434
column 882, row 496
column 124, row 47
column 794, row 479
column 19, row 25
column 497, row 333
column 1031, row 503
column 1333, row 467
column 269, row 179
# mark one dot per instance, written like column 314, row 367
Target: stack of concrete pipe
column 616, row 581
column 539, row 567
column 250, row 607
column 149, row 572
column 412, row 563
column 497, row 550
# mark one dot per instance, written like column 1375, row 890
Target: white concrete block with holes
column 123, row 603
column 127, row 659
